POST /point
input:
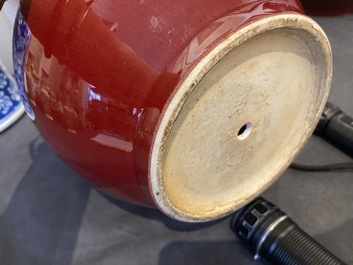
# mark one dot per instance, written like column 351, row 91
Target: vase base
column 257, row 99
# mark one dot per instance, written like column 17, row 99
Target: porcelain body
column 96, row 76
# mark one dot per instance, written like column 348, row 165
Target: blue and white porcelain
column 21, row 37
column 11, row 108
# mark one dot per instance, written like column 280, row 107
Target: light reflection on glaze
column 112, row 141
column 92, row 95
column 226, row 25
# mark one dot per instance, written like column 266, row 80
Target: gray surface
column 49, row 215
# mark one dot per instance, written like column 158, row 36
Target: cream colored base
column 251, row 111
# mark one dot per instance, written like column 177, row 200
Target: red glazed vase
column 194, row 107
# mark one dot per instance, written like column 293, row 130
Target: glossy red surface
column 99, row 74
column 328, row 7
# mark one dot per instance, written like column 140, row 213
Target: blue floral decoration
column 21, row 39
column 11, row 107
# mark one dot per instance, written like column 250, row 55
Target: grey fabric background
column 49, row 215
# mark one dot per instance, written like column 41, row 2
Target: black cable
column 336, row 127
column 322, row 168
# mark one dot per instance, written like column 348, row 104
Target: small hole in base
column 244, row 131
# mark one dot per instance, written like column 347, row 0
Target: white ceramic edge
column 270, row 23
column 13, row 116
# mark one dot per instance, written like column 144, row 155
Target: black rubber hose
column 273, row 236
column 336, row 127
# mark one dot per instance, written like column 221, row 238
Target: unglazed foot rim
column 257, row 99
